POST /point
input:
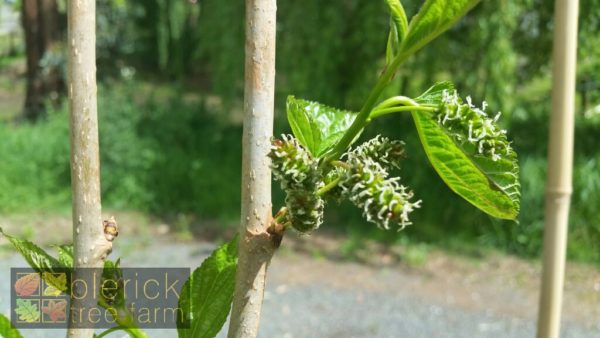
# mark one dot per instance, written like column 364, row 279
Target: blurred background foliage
column 171, row 87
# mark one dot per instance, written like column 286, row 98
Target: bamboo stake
column 560, row 167
column 257, row 245
column 90, row 244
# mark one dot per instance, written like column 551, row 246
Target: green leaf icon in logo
column 57, row 283
column 27, row 311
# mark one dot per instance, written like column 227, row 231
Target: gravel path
column 318, row 298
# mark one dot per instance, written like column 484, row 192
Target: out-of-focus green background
column 170, row 91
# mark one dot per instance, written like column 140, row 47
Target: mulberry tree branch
column 90, row 244
column 257, row 244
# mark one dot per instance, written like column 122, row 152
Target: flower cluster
column 472, row 125
column 365, row 183
column 379, row 149
column 363, row 178
column 297, row 171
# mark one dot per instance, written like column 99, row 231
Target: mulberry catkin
column 388, row 153
column 366, row 184
column 469, row 124
column 297, row 172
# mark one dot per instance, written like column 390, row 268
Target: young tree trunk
column 40, row 20
column 560, row 167
column 90, row 243
column 257, row 245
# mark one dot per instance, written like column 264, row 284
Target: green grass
column 161, row 156
column 10, row 45
column 12, row 87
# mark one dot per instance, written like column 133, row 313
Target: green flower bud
column 297, row 171
column 470, row 125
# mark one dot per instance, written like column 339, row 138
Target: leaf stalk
column 385, row 111
column 363, row 116
column 328, row 187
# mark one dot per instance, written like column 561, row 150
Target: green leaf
column 65, row 255
column 434, row 94
column 108, row 296
column 42, row 262
column 7, row 330
column 35, row 256
column 434, row 17
column 398, row 17
column 485, row 184
column 27, row 311
column 490, row 185
column 206, row 296
column 317, row 126
column 398, row 29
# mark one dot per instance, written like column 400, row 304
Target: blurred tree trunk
column 559, row 184
column 41, row 25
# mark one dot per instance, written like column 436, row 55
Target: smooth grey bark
column 90, row 244
column 257, row 244
column 560, row 167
